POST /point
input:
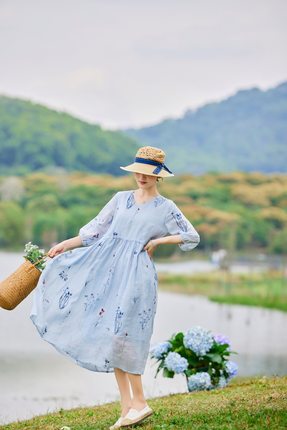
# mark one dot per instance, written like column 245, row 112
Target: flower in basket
column 33, row 253
column 201, row 356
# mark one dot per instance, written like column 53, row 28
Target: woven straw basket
column 19, row 285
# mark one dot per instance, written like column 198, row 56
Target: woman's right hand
column 57, row 249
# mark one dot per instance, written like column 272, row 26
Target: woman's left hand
column 150, row 247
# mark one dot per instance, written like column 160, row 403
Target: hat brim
column 146, row 169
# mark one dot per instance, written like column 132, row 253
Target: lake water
column 36, row 379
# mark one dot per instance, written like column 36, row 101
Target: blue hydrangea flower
column 158, row 350
column 198, row 340
column 221, row 339
column 231, row 368
column 199, row 381
column 175, row 362
column 222, row 382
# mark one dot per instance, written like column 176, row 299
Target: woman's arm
column 153, row 243
column 175, row 238
column 73, row 242
column 66, row 245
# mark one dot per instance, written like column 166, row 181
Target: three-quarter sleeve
column 98, row 226
column 177, row 223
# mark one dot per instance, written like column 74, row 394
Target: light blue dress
column 96, row 304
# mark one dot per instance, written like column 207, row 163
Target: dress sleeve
column 177, row 223
column 98, row 226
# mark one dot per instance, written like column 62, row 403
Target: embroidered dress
column 96, row 304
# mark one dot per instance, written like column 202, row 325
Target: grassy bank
column 268, row 289
column 257, row 404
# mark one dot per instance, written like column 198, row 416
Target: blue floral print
column 63, row 300
column 118, row 318
column 64, row 273
column 130, row 201
column 182, row 224
column 145, row 316
column 96, row 304
column 90, row 301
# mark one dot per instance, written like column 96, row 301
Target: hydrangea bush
column 33, row 253
column 198, row 354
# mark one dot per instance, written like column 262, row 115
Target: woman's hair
column 159, row 179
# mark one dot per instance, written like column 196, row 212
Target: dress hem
column 75, row 360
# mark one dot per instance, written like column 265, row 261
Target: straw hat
column 149, row 161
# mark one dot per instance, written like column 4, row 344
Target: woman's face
column 145, row 181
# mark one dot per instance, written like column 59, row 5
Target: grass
column 266, row 289
column 246, row 403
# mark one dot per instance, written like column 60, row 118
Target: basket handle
column 42, row 258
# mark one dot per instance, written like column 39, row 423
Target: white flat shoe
column 117, row 424
column 134, row 416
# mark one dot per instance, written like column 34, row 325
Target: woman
column 96, row 300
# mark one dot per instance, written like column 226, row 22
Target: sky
column 133, row 63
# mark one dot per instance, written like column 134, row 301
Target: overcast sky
column 123, row 63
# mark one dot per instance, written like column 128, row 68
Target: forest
column 236, row 211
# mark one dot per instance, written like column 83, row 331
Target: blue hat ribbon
column 159, row 165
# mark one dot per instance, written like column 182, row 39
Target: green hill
column 247, row 132
column 33, row 137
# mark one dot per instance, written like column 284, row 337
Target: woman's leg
column 124, row 387
column 138, row 401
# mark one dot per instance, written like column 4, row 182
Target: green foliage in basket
column 33, row 253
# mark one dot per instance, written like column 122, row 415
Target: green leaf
column 214, row 357
column 193, row 361
column 168, row 373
